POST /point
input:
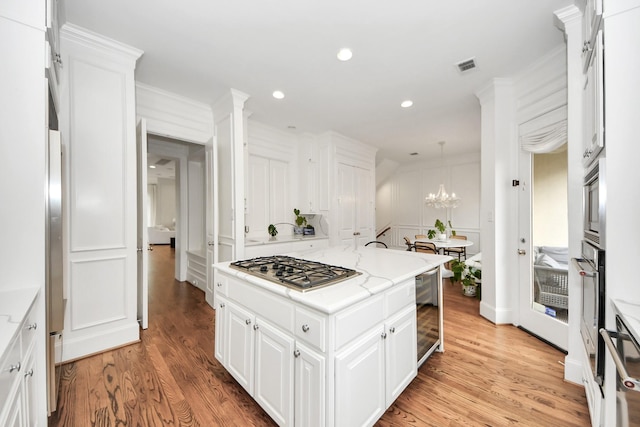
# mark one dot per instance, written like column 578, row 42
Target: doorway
column 543, row 244
column 174, row 211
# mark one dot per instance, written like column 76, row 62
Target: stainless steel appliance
column 299, row 274
column 428, row 316
column 594, row 199
column 626, row 356
column 54, row 263
column 592, row 269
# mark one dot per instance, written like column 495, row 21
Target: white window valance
column 545, row 133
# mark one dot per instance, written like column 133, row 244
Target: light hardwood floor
column 488, row 375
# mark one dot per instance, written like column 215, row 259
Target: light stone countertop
column 630, row 312
column 14, row 305
column 282, row 238
column 381, row 269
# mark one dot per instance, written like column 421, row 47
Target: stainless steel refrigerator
column 54, row 265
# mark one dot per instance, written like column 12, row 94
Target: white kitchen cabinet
column 239, row 345
column 268, row 190
column 593, row 102
column 274, row 372
column 360, row 381
column 53, row 57
column 309, row 387
column 313, row 177
column 19, row 402
column 400, row 364
column 309, row 368
column 355, row 204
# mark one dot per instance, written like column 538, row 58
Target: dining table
column 447, row 243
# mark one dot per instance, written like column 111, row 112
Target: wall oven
column 626, row 356
column 591, row 268
column 594, row 198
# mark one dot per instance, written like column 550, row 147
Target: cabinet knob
column 32, row 327
column 586, row 47
column 384, row 335
column 392, row 329
column 255, row 327
column 15, row 367
column 248, row 321
column 221, row 305
column 296, row 353
column 29, row 373
column 305, row 327
column 219, row 284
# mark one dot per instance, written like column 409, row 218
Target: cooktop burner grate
column 295, row 273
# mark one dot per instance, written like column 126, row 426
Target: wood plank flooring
column 488, row 375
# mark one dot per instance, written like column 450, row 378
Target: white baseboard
column 497, row 316
column 572, row 370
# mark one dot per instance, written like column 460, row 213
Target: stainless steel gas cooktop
column 299, row 274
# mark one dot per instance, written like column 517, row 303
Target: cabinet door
column 401, row 366
column 257, row 205
column 220, row 329
column 239, row 345
column 309, row 387
column 593, row 104
column 274, row 372
column 355, row 206
column 279, row 209
column 30, row 396
column 359, row 382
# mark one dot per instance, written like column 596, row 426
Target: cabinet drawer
column 400, row 296
column 28, row 332
column 12, row 359
column 221, row 283
column 354, row 321
column 264, row 304
column 310, row 327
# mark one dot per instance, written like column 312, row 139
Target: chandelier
column 442, row 199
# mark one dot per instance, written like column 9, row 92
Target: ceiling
column 405, row 49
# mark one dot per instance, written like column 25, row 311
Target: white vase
column 441, row 237
column 469, row 290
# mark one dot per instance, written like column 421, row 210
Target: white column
column 497, row 222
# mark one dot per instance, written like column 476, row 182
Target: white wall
column 550, row 215
column 400, row 200
column 166, row 202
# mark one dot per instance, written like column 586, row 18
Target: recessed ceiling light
column 406, row 104
column 278, row 94
column 152, row 166
column 345, row 54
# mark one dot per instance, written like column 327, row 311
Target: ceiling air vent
column 466, row 65
column 162, row 162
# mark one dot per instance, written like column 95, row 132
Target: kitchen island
column 334, row 356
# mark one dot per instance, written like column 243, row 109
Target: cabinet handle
column 384, row 335
column 305, row 327
column 392, row 329
column 15, row 367
column 219, row 284
column 586, row 47
column 29, row 373
column 255, row 327
column 221, row 305
column 248, row 321
column 32, row 327
column 296, row 353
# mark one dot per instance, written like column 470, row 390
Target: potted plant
column 273, row 231
column 300, row 221
column 468, row 276
column 442, row 228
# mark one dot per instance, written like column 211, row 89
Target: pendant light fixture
column 442, row 199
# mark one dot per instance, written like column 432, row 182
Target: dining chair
column 407, row 242
column 460, row 252
column 426, row 247
column 421, row 236
column 378, row 244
